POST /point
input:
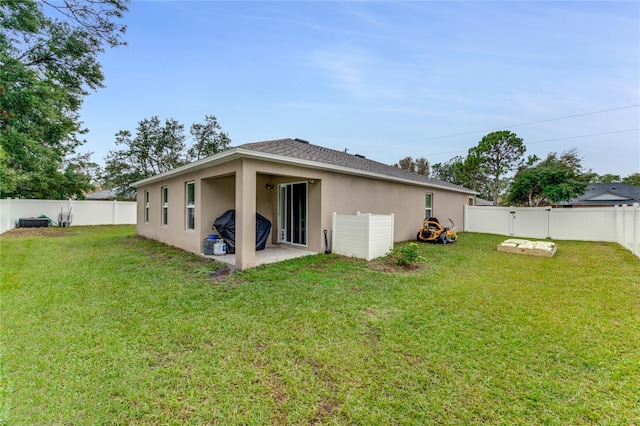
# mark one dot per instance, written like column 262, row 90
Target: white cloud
column 355, row 72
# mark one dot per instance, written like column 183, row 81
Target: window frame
column 164, row 203
column 428, row 204
column 190, row 210
column 146, row 206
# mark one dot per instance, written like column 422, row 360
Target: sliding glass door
column 292, row 213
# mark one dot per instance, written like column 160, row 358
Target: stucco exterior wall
column 214, row 194
column 345, row 194
column 216, row 191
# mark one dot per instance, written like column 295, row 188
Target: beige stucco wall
column 348, row 194
column 216, row 192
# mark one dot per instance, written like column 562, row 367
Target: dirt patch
column 49, row 232
column 221, row 273
column 392, row 267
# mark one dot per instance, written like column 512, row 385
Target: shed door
column 292, row 213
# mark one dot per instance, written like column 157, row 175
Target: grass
column 102, row 327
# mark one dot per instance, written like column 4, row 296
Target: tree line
column 499, row 171
column 157, row 148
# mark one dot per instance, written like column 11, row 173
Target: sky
column 384, row 79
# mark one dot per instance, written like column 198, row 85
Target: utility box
column 208, row 248
column 33, row 222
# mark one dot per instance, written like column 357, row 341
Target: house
column 605, row 195
column 105, row 194
column 296, row 186
column 482, row 202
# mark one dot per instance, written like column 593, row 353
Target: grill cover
column 226, row 227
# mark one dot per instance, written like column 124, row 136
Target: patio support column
column 245, row 216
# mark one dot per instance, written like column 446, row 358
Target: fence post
column 624, row 223
column 368, row 239
column 636, row 229
column 69, row 204
column 114, row 212
column 393, row 222
column 333, row 231
column 465, row 217
column 512, row 223
column 619, row 236
column 548, row 218
column 9, row 203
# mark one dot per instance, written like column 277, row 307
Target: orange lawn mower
column 433, row 232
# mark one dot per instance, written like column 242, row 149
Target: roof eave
column 219, row 158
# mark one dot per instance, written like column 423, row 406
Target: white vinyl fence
column 365, row 236
column 620, row 224
column 85, row 212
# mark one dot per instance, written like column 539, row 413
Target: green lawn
column 102, row 327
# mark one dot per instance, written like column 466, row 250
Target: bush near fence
column 619, row 224
column 85, row 212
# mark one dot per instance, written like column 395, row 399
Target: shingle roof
column 621, row 194
column 106, row 194
column 303, row 150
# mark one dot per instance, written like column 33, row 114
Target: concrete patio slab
column 271, row 254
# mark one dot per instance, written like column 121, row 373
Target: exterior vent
column 301, row 141
column 359, row 155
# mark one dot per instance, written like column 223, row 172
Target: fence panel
column 85, row 212
column 628, row 227
column 619, row 224
column 585, row 224
column 530, row 223
column 489, row 220
column 380, row 235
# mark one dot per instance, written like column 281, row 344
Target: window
column 146, row 206
column 428, row 205
column 165, row 206
column 191, row 205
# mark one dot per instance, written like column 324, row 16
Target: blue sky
column 385, row 79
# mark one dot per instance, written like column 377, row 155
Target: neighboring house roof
column 106, row 194
column 483, row 202
column 599, row 194
column 300, row 152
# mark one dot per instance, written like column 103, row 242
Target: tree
column 496, row 154
column 158, row 148
column 47, row 66
column 208, row 139
column 422, row 166
column 464, row 172
column 406, row 163
column 633, row 179
column 471, row 173
column 8, row 178
column 606, row 178
column 555, row 179
column 419, row 165
column 446, row 171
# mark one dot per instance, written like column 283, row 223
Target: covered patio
column 272, row 253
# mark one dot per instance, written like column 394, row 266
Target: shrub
column 407, row 254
